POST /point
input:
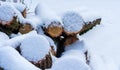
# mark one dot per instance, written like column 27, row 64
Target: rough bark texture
column 53, row 51
column 24, row 13
column 89, row 26
column 45, row 63
column 55, row 29
column 25, row 28
column 12, row 27
column 70, row 39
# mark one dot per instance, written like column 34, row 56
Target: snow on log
column 51, row 22
column 91, row 19
column 68, row 61
column 10, row 59
column 73, row 22
column 38, row 48
column 10, row 18
column 16, row 41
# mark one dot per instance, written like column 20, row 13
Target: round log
column 25, row 29
column 54, row 29
column 73, row 22
column 51, row 22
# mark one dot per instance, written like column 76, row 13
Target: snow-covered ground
column 103, row 39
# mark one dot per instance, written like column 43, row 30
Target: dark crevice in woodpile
column 60, row 47
column 1, row 68
column 89, row 25
column 45, row 63
column 62, row 42
column 18, row 49
column 13, row 27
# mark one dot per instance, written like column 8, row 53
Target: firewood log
column 73, row 22
column 51, row 22
column 25, row 28
column 70, row 39
column 89, row 25
column 9, row 22
column 54, row 29
column 45, row 63
column 10, row 26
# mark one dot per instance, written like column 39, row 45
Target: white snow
column 3, row 37
column 46, row 15
column 37, row 46
column 100, row 62
column 19, row 6
column 16, row 41
column 51, row 42
column 10, row 59
column 70, row 63
column 78, row 45
column 73, row 21
column 6, row 13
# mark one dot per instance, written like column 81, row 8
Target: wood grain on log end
column 89, row 26
column 55, row 29
column 25, row 28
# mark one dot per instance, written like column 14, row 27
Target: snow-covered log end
column 73, row 22
column 76, row 22
column 54, row 29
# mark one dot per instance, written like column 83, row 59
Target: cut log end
column 25, row 28
column 54, row 29
column 73, row 22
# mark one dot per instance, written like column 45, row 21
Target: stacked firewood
column 62, row 30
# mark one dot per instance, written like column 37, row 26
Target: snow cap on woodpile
column 35, row 48
column 10, row 59
column 51, row 22
column 6, row 14
column 73, row 22
column 68, row 62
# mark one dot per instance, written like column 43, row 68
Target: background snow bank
column 10, row 59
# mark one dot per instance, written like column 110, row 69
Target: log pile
column 62, row 30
